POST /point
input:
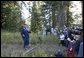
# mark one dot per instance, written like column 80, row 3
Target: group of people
column 68, row 38
column 50, row 30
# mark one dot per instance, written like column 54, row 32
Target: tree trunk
column 61, row 15
column 53, row 17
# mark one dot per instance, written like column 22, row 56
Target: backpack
column 70, row 52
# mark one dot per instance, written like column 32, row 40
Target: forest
column 40, row 17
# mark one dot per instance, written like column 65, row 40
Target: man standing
column 25, row 35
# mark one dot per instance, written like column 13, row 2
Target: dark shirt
column 24, row 32
column 69, row 34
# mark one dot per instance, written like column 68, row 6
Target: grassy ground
column 11, row 45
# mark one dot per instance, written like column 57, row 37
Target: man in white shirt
column 52, row 30
column 62, row 38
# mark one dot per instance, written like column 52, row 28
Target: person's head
column 22, row 23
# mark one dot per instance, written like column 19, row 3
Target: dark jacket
column 69, row 34
column 25, row 35
column 24, row 32
column 77, row 44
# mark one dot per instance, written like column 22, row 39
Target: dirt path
column 15, row 50
column 49, row 48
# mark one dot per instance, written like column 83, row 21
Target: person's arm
column 22, row 33
column 28, row 30
column 69, row 39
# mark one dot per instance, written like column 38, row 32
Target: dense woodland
column 43, row 14
column 45, row 17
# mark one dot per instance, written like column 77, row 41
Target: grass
column 37, row 53
column 34, row 39
column 15, row 37
column 10, row 39
column 51, row 38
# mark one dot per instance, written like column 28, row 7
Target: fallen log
column 30, row 49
